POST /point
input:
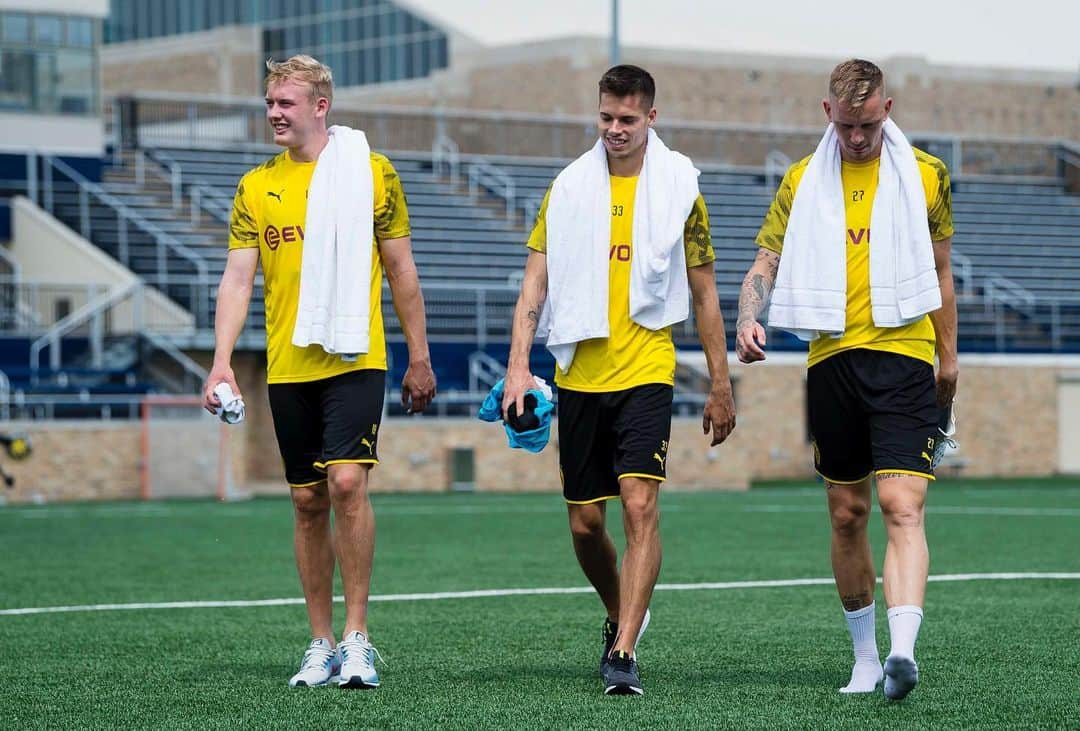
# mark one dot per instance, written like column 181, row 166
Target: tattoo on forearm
column 531, row 320
column 752, row 300
column 855, row 601
column 758, row 282
column 756, row 289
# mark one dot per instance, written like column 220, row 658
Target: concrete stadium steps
column 1023, row 229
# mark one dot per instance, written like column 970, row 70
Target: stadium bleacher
column 1020, row 235
column 1021, row 230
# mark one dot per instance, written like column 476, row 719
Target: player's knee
column 901, row 513
column 348, row 484
column 850, row 519
column 586, row 523
column 639, row 509
column 310, row 504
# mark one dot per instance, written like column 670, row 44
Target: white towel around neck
column 810, row 295
column 579, row 237
column 335, row 273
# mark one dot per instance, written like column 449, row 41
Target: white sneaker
column 358, row 662
column 320, row 665
column 946, row 441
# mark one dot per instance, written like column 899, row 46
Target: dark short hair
column 626, row 80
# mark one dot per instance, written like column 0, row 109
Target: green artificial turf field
column 994, row 651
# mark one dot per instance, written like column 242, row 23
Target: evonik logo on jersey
column 274, row 237
column 857, row 237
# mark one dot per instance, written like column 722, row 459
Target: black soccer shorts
column 330, row 421
column 604, row 437
column 872, row 411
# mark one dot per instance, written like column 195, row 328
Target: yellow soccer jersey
column 269, row 212
column 860, row 184
column 631, row 355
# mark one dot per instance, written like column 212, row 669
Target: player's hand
column 750, row 341
column 218, row 374
column 418, row 386
column 947, row 375
column 516, row 383
column 719, row 414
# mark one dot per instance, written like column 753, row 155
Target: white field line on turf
column 539, row 591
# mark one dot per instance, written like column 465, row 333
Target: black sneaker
column 611, row 629
column 621, row 676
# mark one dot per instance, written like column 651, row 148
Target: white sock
column 867, row 671
column 904, row 624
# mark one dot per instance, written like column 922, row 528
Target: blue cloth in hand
column 533, row 440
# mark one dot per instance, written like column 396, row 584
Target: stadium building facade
column 363, row 41
column 49, row 89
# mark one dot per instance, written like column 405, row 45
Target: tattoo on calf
column 853, row 602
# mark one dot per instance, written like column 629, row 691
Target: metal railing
column 165, row 244
column 102, row 318
column 205, row 198
column 964, row 271
column 202, row 197
column 482, row 313
column 484, row 372
column 776, row 166
column 166, row 119
column 21, row 405
column 25, row 306
column 92, row 313
column 1068, row 159
column 445, row 154
column 998, row 290
column 487, row 176
column 173, row 176
column 531, row 208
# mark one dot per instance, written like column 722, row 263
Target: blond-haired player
column 872, row 393
column 326, row 409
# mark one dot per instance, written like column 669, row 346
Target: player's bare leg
column 853, row 569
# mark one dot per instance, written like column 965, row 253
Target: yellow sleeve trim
column 538, row 237
column 399, row 234
column 913, row 473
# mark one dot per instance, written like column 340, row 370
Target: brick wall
column 222, row 62
column 782, row 93
column 1008, row 418
column 561, row 77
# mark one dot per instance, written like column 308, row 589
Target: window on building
column 16, row 79
column 80, row 32
column 48, row 30
column 16, row 28
column 47, row 64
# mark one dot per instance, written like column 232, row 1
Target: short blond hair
column 303, row 69
column 855, row 81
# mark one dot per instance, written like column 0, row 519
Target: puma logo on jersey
column 928, row 458
column 277, row 195
column 659, row 459
column 370, row 445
